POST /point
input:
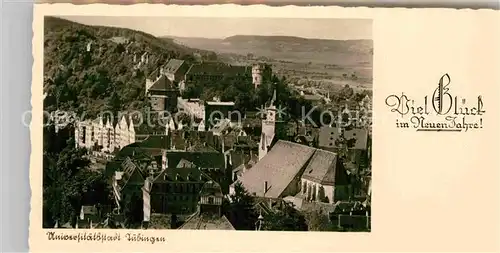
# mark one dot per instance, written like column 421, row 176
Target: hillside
column 89, row 69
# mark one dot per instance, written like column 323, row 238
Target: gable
column 322, row 168
column 278, row 168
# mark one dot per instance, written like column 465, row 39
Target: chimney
column 265, row 188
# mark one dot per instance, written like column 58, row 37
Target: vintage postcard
column 263, row 129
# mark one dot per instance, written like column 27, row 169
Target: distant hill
column 325, row 64
column 288, row 48
column 93, row 68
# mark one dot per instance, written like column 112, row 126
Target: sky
column 219, row 28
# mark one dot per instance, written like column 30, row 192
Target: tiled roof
column 131, row 172
column 173, row 65
column 182, row 139
column 296, row 201
column 162, row 84
column 185, row 164
column 309, row 206
column 199, row 147
column 203, row 222
column 283, row 162
column 181, row 175
column 155, row 141
column 214, row 68
column 201, row 159
column 238, row 170
column 322, row 168
column 246, row 141
column 269, row 205
column 328, row 136
column 361, row 136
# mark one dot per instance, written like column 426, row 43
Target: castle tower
column 257, row 70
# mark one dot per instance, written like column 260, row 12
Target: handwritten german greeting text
column 449, row 113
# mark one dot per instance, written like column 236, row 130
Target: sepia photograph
column 207, row 123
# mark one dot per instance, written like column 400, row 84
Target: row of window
column 178, row 188
column 208, row 77
column 192, row 198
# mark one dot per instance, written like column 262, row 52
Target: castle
column 171, row 81
column 104, row 135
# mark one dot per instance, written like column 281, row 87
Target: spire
column 259, row 221
column 274, row 98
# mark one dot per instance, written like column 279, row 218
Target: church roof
column 323, row 168
column 281, row 164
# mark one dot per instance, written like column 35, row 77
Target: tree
column 318, row 221
column 346, row 92
column 287, row 219
column 241, row 210
column 343, row 149
column 67, row 181
column 321, row 195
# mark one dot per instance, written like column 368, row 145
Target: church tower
column 268, row 128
